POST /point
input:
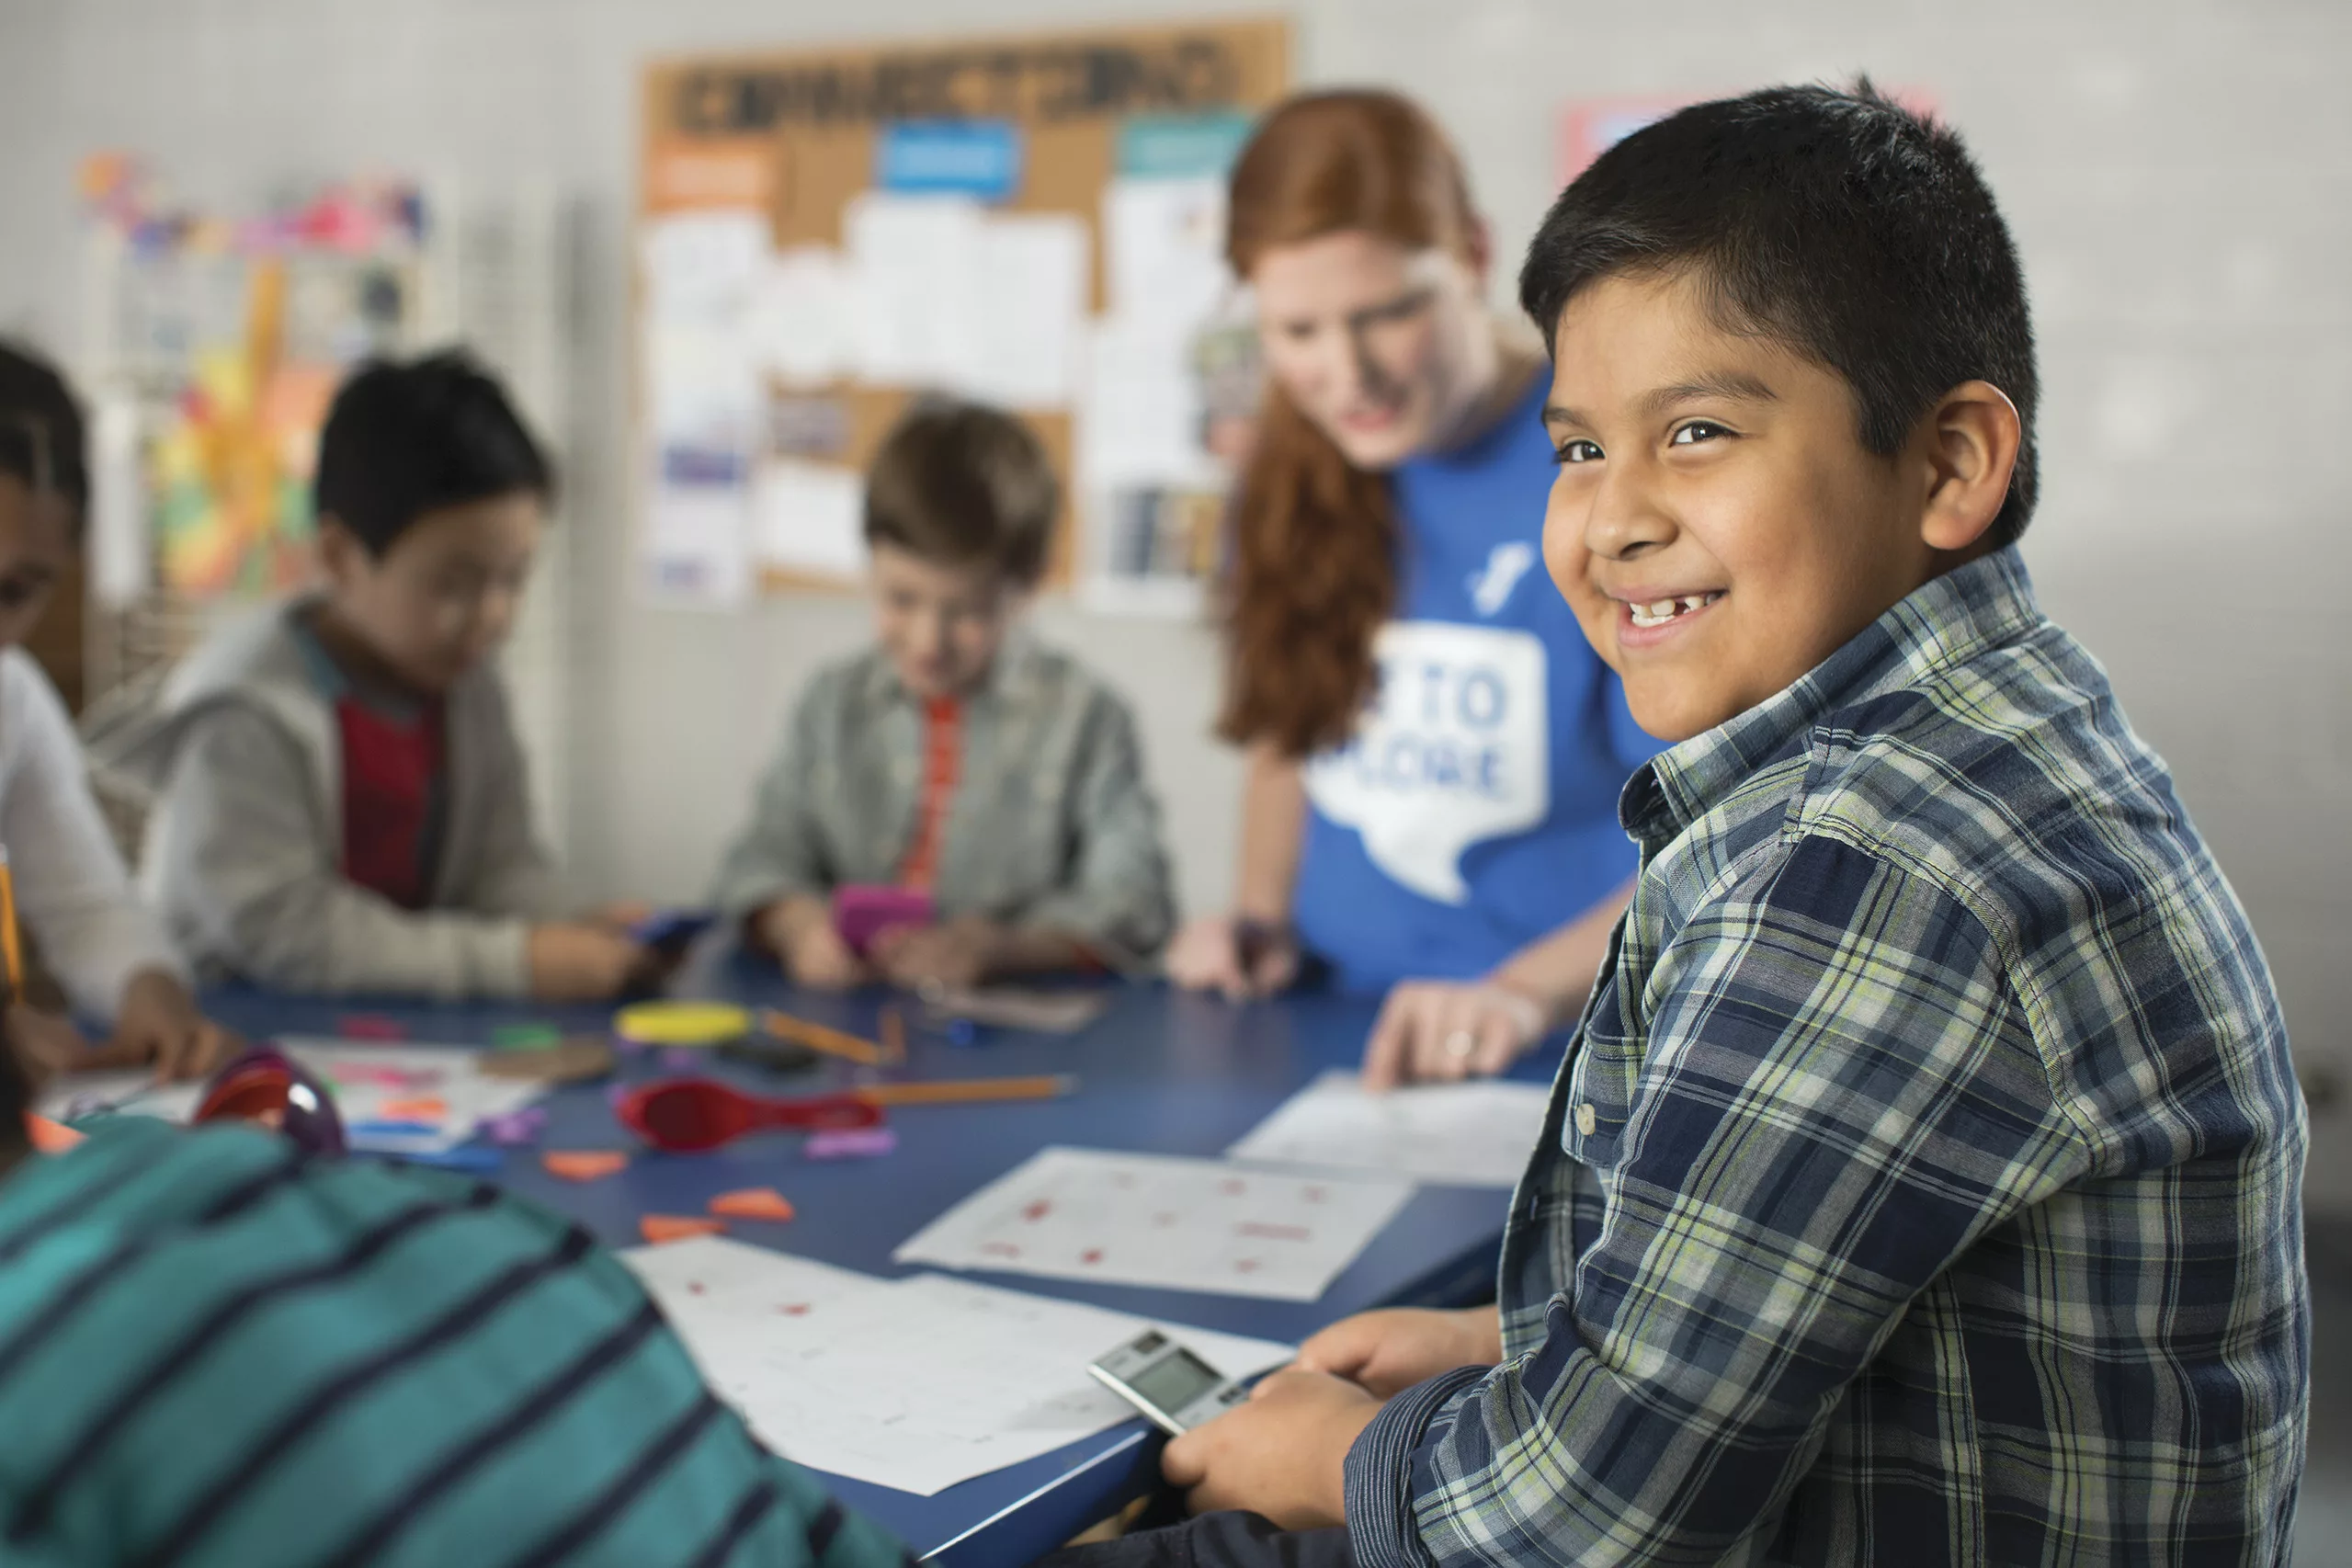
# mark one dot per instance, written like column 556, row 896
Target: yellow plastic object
column 681, row 1023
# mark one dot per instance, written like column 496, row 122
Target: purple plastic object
column 274, row 1090
column 855, row 1143
column 514, row 1128
column 861, row 912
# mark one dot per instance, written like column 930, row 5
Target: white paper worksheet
column 1454, row 1135
column 436, row 1095
column 915, row 1384
column 1154, row 1220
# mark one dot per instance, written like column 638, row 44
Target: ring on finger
column 1461, row 1043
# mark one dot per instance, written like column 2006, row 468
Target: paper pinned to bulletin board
column 1037, row 222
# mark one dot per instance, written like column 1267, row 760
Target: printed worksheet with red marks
column 1155, row 1220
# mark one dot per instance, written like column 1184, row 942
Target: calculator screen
column 1176, row 1380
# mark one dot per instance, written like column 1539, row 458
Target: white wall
column 2177, row 175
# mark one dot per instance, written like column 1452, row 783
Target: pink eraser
column 861, row 912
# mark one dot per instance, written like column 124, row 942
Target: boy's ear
column 342, row 554
column 1972, row 437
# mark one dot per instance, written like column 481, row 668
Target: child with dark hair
column 343, row 802
column 956, row 758
column 1922, row 1184
column 109, row 954
column 219, row 1353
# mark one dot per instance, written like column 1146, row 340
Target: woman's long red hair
column 1315, row 564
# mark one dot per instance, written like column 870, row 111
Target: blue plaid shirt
column 1923, row 1183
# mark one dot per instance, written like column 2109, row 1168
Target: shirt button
column 1587, row 1120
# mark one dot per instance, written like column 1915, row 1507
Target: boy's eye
column 1578, row 452
column 1697, row 430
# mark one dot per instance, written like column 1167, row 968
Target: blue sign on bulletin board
column 979, row 158
column 1181, row 146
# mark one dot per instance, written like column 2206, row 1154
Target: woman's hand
column 1238, row 958
column 1441, row 1032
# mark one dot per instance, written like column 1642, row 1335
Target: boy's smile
column 1717, row 524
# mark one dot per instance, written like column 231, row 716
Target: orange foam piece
column 754, row 1203
column 584, row 1165
column 425, row 1108
column 660, row 1228
column 54, row 1137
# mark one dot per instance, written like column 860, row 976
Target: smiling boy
column 1922, row 1184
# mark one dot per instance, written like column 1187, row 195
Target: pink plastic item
column 862, row 913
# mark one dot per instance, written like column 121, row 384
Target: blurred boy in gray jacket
column 343, row 803
column 956, row 756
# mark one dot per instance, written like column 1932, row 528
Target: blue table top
column 1161, row 1072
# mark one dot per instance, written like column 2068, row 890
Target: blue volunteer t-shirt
column 1475, row 810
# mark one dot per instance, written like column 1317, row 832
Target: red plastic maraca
column 690, row 1116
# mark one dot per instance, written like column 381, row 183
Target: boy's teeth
column 1663, row 610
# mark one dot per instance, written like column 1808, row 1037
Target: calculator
column 1168, row 1383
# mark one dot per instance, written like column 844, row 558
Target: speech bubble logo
column 1454, row 750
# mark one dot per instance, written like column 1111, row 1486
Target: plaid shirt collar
column 1943, row 623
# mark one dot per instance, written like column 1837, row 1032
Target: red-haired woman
column 1434, row 752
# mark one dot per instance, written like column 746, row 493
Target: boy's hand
column 581, row 963
column 1384, row 1353
column 158, row 1025
column 1284, row 1454
column 964, row 952
column 812, row 951
column 1236, row 958
column 1440, row 1031
column 624, row 916
column 45, row 1044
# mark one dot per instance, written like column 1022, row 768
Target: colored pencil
column 11, row 946
column 818, row 1037
column 956, row 1091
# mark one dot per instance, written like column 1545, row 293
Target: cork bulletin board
column 1035, row 221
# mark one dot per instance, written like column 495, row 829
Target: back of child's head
column 40, row 429
column 962, row 484
column 1857, row 234
column 404, row 439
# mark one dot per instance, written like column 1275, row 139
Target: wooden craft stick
column 1044, row 1086
column 817, row 1037
column 893, row 1036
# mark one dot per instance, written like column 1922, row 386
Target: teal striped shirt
column 216, row 1351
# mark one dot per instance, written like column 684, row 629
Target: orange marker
column 817, row 1037
column 954, row 1091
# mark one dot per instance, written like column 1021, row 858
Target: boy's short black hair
column 961, row 485
column 42, row 435
column 1857, row 232
column 406, row 438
